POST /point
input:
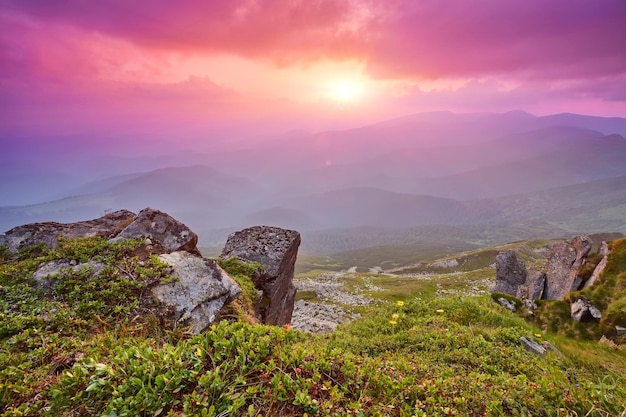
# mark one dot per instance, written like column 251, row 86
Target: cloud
column 547, row 39
column 398, row 38
column 140, row 56
column 274, row 29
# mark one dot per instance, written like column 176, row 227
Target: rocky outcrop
column 161, row 229
column 510, row 273
column 201, row 289
column 48, row 233
column 583, row 310
column 563, row 266
column 276, row 249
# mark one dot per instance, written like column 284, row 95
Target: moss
column 514, row 300
column 243, row 272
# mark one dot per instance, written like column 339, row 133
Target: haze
column 315, row 114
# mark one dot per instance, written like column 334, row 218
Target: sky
column 259, row 66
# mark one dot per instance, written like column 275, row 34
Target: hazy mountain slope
column 198, row 195
column 573, row 164
column 420, row 170
column 369, row 206
column 590, row 207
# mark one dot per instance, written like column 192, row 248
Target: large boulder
column 563, row 266
column 48, row 233
column 161, row 229
column 510, row 273
column 198, row 293
column 276, row 249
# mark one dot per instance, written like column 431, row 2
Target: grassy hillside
column 77, row 352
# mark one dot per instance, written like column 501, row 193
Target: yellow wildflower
column 395, row 316
column 400, row 303
column 440, row 310
column 393, row 322
column 538, row 335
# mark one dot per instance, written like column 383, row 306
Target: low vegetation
column 79, row 350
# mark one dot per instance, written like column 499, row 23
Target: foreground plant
column 447, row 356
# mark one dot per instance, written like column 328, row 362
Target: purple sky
column 193, row 66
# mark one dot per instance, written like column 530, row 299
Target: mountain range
column 559, row 174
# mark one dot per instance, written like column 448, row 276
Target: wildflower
column 400, row 303
column 538, row 335
column 440, row 311
column 393, row 322
column 395, row 316
column 288, row 326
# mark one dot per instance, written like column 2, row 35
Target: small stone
column 506, row 304
column 583, row 310
column 532, row 346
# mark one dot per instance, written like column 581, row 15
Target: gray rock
column 620, row 331
column 550, row 347
column 532, row 346
column 510, row 273
column 163, row 229
column 48, row 233
column 46, row 274
column 536, row 282
column 583, row 310
column 604, row 249
column 599, row 269
column 276, row 249
column 563, row 266
column 506, row 304
column 201, row 291
column 318, row 317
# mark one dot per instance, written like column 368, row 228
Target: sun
column 344, row 92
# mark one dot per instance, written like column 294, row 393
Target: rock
column 48, row 233
column 620, row 331
column 510, row 273
column 163, row 229
column 44, row 276
column 535, row 282
column 200, row 292
column 583, row 310
column 532, row 346
column 549, row 346
column 318, row 317
column 506, row 304
column 596, row 272
column 604, row 249
column 563, row 266
column 276, row 249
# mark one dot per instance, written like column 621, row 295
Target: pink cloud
column 82, row 62
column 398, row 38
column 547, row 39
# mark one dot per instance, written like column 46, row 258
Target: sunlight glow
column 345, row 92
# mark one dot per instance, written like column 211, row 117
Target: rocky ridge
column 563, row 275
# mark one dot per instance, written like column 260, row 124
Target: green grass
column 439, row 355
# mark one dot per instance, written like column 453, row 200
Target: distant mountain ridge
column 474, row 171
